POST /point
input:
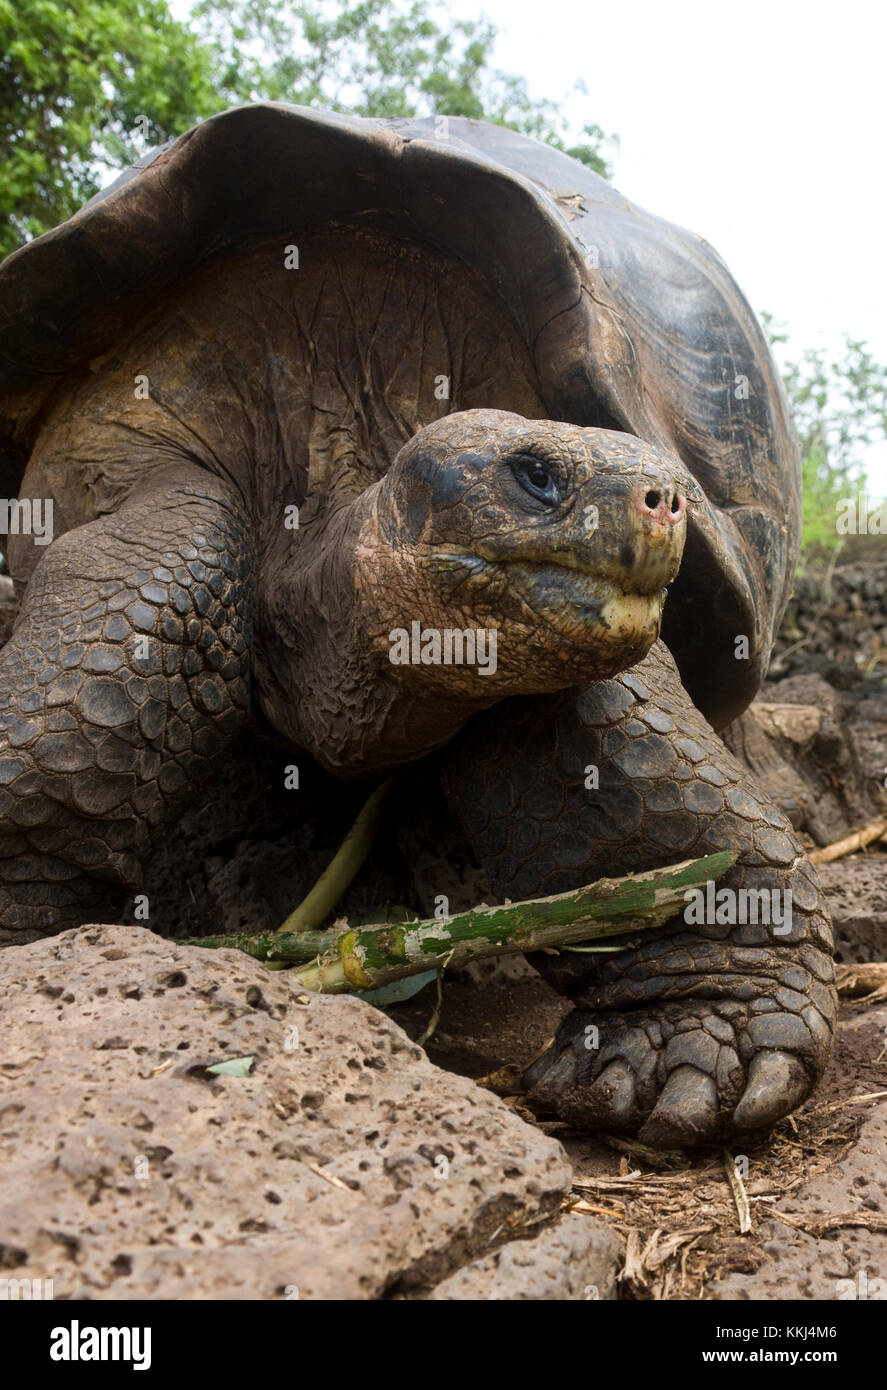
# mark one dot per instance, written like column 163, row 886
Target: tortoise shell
column 632, row 323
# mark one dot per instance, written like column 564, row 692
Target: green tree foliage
column 86, row 86
column 378, row 58
column 840, row 408
column 75, row 76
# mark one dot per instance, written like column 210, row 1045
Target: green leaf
column 397, row 992
column 237, row 1066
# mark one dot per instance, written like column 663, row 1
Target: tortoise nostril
column 661, row 504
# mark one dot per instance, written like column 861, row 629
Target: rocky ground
column 335, row 1158
column 335, row 1162
column 836, row 621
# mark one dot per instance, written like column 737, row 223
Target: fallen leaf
column 237, row 1066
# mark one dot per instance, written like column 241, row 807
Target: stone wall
column 835, row 624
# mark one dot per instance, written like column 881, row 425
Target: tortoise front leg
column 710, row 1028
column 127, row 675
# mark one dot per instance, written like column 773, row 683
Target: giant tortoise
column 301, row 387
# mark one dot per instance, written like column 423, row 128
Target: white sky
column 761, row 126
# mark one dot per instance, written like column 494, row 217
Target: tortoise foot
column 690, row 1071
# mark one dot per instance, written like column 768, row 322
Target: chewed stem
column 360, row 958
column 367, row 957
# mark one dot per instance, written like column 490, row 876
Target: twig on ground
column 875, row 830
column 740, row 1196
column 819, row 1225
column 328, row 1177
column 655, row 1158
column 866, row 982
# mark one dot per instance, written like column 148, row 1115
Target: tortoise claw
column 686, row 1112
column 777, row 1082
column 679, row 1093
column 612, row 1099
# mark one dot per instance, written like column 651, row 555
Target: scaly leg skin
column 704, row 1032
column 127, row 675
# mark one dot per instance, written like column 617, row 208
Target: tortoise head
column 550, row 544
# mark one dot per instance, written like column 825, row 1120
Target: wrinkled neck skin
column 322, row 673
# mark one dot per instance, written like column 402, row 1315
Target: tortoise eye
column 537, row 479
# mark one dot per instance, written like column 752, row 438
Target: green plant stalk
column 367, row 957
column 272, row 946
column 349, row 857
